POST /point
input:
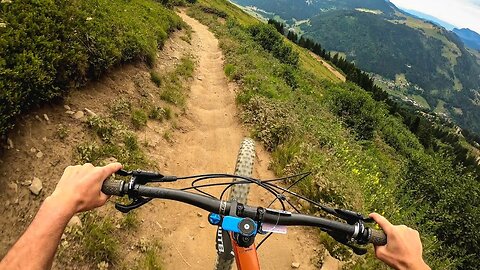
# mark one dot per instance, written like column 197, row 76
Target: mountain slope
column 470, row 38
column 417, row 59
column 301, row 9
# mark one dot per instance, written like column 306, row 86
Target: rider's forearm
column 37, row 246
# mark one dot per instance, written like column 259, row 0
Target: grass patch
column 62, row 132
column 150, row 259
column 229, row 71
column 168, row 136
column 156, row 78
column 172, row 90
column 98, row 240
column 168, row 113
column 120, row 107
column 103, row 127
column 187, row 37
column 139, row 119
column 54, row 46
column 115, row 141
column 130, row 221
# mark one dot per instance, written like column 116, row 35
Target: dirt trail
column 329, row 67
column 209, row 143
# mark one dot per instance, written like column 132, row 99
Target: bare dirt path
column 329, row 67
column 209, row 142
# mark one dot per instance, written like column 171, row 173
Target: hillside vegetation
column 361, row 156
column 47, row 47
column 380, row 38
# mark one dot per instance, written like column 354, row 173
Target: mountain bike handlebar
column 358, row 232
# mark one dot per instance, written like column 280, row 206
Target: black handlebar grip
column 112, row 187
column 377, row 237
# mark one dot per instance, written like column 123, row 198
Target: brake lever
column 143, row 177
column 343, row 239
column 136, row 202
column 352, row 217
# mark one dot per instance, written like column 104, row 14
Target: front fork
column 235, row 238
column 245, row 257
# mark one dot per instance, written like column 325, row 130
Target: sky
column 461, row 13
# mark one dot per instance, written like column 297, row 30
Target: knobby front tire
column 243, row 167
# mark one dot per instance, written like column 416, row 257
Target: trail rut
column 209, row 143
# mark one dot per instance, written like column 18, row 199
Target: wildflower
column 88, row 19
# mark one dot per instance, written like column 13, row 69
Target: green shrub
column 357, row 109
column 103, row 127
column 214, row 11
column 120, row 107
column 268, row 37
column 229, row 70
column 139, row 118
column 49, row 46
column 156, row 113
column 273, row 124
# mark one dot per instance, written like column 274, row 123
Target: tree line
column 430, row 130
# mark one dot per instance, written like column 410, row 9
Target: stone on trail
column 46, row 117
column 70, row 112
column 78, row 115
column 295, row 265
column 10, row 143
column 36, row 186
column 67, row 107
column 90, row 112
column 26, row 183
column 39, row 154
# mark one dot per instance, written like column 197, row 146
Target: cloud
column 461, row 13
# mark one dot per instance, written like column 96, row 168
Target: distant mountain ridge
column 429, row 18
column 470, row 38
column 424, row 59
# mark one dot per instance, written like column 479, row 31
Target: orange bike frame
column 246, row 258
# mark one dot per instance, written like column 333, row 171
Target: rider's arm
column 403, row 249
column 78, row 190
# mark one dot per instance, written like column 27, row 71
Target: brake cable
column 144, row 177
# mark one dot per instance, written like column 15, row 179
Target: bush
column 46, row 47
column 268, row 37
column 273, row 124
column 357, row 109
column 214, row 11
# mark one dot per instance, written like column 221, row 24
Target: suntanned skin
column 79, row 190
column 403, row 250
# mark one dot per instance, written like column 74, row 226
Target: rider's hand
column 403, row 249
column 79, row 189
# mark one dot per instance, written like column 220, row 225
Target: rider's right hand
column 79, row 189
column 403, row 249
